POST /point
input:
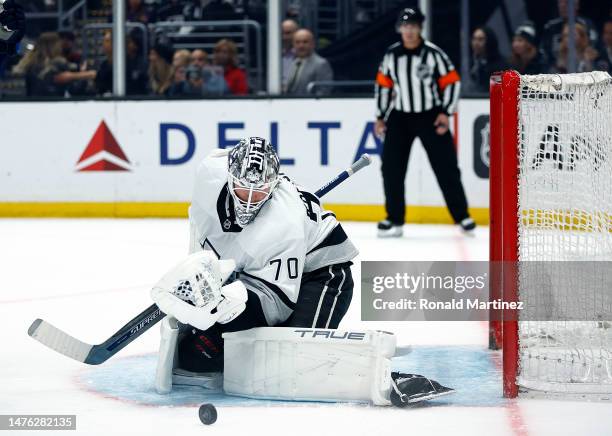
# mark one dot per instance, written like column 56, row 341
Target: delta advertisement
column 147, row 151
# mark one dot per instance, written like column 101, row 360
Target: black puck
column 207, row 413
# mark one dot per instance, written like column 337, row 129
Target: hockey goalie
column 256, row 305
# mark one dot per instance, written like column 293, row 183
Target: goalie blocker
column 302, row 364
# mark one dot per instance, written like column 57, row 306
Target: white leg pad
column 290, row 363
column 166, row 355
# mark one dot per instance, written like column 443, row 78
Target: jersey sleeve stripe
column 448, row 79
column 381, row 92
column 444, row 58
column 275, row 289
column 453, row 91
column 328, row 214
column 383, row 80
column 336, row 236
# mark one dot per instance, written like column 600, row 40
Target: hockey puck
column 207, row 414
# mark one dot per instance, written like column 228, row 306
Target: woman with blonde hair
column 181, row 58
column 587, row 57
column 226, row 55
column 48, row 73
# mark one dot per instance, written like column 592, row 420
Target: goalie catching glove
column 194, row 293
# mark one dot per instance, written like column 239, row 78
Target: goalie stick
column 69, row 346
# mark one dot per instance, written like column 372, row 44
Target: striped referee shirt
column 416, row 80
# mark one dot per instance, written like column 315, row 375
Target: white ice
column 89, row 277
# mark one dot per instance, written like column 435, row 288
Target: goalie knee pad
column 309, row 364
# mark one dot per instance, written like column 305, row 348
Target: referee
column 417, row 88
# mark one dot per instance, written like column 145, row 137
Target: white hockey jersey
column 292, row 234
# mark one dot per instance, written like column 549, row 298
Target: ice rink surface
column 89, row 277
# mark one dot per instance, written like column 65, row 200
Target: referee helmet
column 409, row 16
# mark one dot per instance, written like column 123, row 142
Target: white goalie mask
column 253, row 167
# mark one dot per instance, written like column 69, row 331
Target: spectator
column 180, row 62
column 289, row 27
column 160, row 68
column 199, row 82
column 587, row 57
column 181, row 58
column 486, row 60
column 607, row 41
column 226, row 56
column 307, row 66
column 553, row 30
column 136, row 65
column 199, row 58
column 68, row 47
column 135, row 68
column 48, row 73
column 526, row 58
column 179, row 75
column 138, row 12
column 104, row 78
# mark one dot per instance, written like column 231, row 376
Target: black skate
column 387, row 229
column 468, row 225
column 412, row 388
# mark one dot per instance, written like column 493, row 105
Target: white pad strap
column 290, row 363
column 194, row 243
column 165, row 358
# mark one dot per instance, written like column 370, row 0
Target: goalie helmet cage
column 550, row 200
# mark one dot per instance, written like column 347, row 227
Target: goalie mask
column 253, row 167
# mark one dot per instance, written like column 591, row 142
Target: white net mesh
column 565, row 216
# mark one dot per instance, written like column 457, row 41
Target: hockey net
column 551, row 175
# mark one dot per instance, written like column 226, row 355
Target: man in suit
column 289, row 27
column 307, row 66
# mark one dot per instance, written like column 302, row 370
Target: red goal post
column 503, row 207
column 551, row 201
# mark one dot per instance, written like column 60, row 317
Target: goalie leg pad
column 302, row 364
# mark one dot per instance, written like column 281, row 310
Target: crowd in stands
column 547, row 52
column 55, row 67
column 51, row 69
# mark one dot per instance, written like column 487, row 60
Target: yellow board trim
column 345, row 212
column 94, row 210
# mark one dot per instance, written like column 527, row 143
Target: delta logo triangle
column 103, row 153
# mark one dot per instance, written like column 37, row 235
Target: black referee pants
column 402, row 129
